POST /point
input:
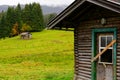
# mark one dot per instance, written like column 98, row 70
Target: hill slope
column 47, row 56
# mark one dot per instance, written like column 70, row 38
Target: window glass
column 109, row 39
column 103, row 41
column 107, row 56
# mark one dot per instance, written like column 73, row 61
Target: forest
column 16, row 20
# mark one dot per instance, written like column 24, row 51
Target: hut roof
column 24, row 33
column 78, row 8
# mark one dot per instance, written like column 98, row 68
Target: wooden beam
column 107, row 47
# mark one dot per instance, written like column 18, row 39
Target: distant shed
column 96, row 38
column 26, row 35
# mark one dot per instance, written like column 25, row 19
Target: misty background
column 46, row 9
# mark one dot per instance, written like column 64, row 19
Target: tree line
column 16, row 20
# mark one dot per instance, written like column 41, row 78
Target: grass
column 47, row 56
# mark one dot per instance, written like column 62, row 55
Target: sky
column 42, row 2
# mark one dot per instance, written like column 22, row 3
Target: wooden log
column 84, row 75
column 118, row 78
column 85, row 66
column 84, row 53
column 85, row 69
column 82, row 78
column 84, row 56
column 118, row 57
column 81, row 62
column 83, row 59
column 85, row 72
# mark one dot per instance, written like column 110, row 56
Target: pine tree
column 18, row 19
column 26, row 15
column 3, row 28
column 38, row 22
column 10, row 19
column 32, row 16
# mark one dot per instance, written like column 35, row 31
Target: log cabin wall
column 83, row 46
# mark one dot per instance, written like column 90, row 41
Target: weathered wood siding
column 83, row 53
column 83, row 46
column 118, row 51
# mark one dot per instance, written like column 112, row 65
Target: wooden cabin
column 96, row 26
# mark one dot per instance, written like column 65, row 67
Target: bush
column 26, row 27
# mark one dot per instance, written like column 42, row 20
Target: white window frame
column 99, row 61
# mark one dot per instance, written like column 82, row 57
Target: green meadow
column 47, row 56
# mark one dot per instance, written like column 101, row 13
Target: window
column 104, row 40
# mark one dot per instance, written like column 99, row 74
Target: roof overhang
column 107, row 4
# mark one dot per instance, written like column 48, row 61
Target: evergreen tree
column 18, row 19
column 38, row 22
column 3, row 28
column 32, row 16
column 27, row 15
column 10, row 19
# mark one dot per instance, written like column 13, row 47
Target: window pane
column 107, row 56
column 109, row 39
column 103, row 41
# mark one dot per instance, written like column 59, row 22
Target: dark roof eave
column 103, row 3
column 65, row 13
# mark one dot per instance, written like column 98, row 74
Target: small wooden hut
column 26, row 35
column 96, row 26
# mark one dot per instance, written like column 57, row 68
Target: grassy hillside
column 47, row 56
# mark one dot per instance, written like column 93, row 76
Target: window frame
column 100, row 47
